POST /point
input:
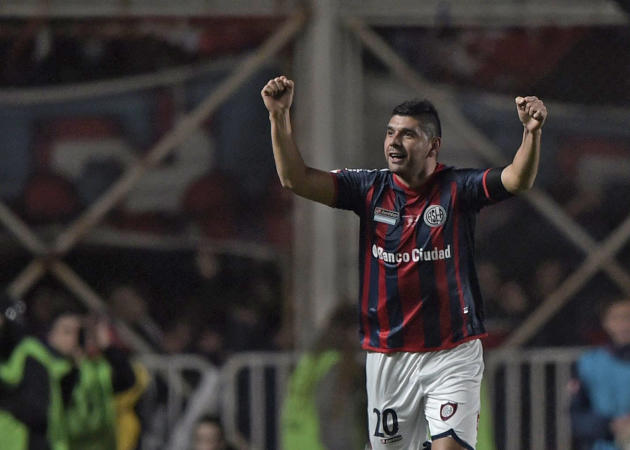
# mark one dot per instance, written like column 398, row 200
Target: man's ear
column 434, row 149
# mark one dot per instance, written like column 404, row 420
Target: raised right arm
column 307, row 182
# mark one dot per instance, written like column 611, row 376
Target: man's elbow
column 287, row 183
column 292, row 180
column 521, row 186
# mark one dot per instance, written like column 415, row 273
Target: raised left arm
column 519, row 176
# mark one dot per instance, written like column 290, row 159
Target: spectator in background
column 36, row 384
column 104, row 371
column 506, row 303
column 178, row 335
column 210, row 343
column 41, row 306
column 600, row 404
column 127, row 304
column 325, row 405
column 209, row 435
column 128, row 425
column 244, row 330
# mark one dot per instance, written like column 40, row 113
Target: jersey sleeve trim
column 485, row 184
column 493, row 186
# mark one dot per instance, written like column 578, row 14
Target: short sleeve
column 481, row 187
column 351, row 187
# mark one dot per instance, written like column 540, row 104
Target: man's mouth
column 396, row 156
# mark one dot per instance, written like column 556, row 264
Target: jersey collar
column 398, row 184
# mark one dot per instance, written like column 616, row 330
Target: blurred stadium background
column 137, row 179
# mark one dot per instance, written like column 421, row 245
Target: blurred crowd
column 484, row 58
column 229, row 306
column 58, row 52
column 65, row 385
column 539, row 264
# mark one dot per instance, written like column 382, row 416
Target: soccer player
column 420, row 303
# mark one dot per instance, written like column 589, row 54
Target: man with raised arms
column 421, row 312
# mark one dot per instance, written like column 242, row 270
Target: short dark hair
column 424, row 112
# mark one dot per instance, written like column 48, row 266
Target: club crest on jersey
column 386, row 216
column 447, row 410
column 434, row 216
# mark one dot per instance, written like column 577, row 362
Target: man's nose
column 396, row 139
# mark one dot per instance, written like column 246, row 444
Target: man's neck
column 418, row 180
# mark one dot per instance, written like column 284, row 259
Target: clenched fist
column 278, row 94
column 531, row 112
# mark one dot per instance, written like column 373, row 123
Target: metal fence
column 248, row 391
column 254, row 386
column 183, row 388
column 527, row 391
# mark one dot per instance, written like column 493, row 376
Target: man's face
column 617, row 322
column 64, row 334
column 407, row 147
column 208, row 436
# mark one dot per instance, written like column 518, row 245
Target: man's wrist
column 536, row 132
column 279, row 114
column 281, row 120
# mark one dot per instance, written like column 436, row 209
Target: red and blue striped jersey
column 419, row 288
